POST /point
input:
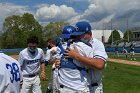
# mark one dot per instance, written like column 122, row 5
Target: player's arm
column 20, row 59
column 95, row 62
column 49, row 59
column 42, row 66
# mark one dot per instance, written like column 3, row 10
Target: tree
column 128, row 35
column 53, row 29
column 18, row 28
column 116, row 36
column 11, row 28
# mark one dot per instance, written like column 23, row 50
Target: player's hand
column 57, row 63
column 54, row 52
column 71, row 53
column 53, row 60
column 43, row 76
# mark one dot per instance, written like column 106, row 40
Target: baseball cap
column 81, row 28
column 57, row 40
column 67, row 30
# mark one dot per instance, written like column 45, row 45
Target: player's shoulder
column 7, row 58
column 23, row 51
column 96, row 42
column 81, row 44
column 39, row 49
column 54, row 48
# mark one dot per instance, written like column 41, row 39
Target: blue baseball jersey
column 72, row 78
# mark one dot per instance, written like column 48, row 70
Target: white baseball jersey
column 10, row 74
column 99, row 52
column 30, row 64
column 72, row 78
column 49, row 55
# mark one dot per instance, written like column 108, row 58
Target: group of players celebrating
column 76, row 64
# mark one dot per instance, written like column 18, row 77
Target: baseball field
column 117, row 78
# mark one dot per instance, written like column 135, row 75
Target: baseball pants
column 31, row 82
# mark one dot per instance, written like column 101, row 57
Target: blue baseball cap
column 57, row 40
column 81, row 28
column 67, row 30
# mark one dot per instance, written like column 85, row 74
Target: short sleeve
column 42, row 56
column 99, row 51
column 47, row 58
column 20, row 59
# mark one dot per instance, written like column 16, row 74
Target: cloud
column 96, row 12
column 100, row 11
column 8, row 9
column 55, row 13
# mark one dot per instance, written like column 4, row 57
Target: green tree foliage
column 18, row 28
column 53, row 30
column 128, row 35
column 11, row 28
column 116, row 36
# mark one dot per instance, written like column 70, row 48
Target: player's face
column 49, row 45
column 32, row 46
column 86, row 36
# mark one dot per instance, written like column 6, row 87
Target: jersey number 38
column 14, row 70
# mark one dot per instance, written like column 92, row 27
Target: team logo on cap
column 69, row 30
column 77, row 28
column 87, row 29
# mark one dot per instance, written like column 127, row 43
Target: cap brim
column 77, row 33
column 65, row 35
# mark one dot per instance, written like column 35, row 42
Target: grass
column 44, row 84
column 121, row 78
column 117, row 78
column 12, row 53
column 121, row 56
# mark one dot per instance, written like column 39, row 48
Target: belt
column 31, row 75
column 94, row 84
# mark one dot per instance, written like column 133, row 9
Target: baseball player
column 97, row 63
column 116, row 52
column 51, row 54
column 10, row 74
column 132, row 51
column 125, row 52
column 31, row 60
column 72, row 76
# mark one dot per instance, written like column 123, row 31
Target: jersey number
column 14, row 70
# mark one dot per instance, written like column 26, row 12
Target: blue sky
column 97, row 12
